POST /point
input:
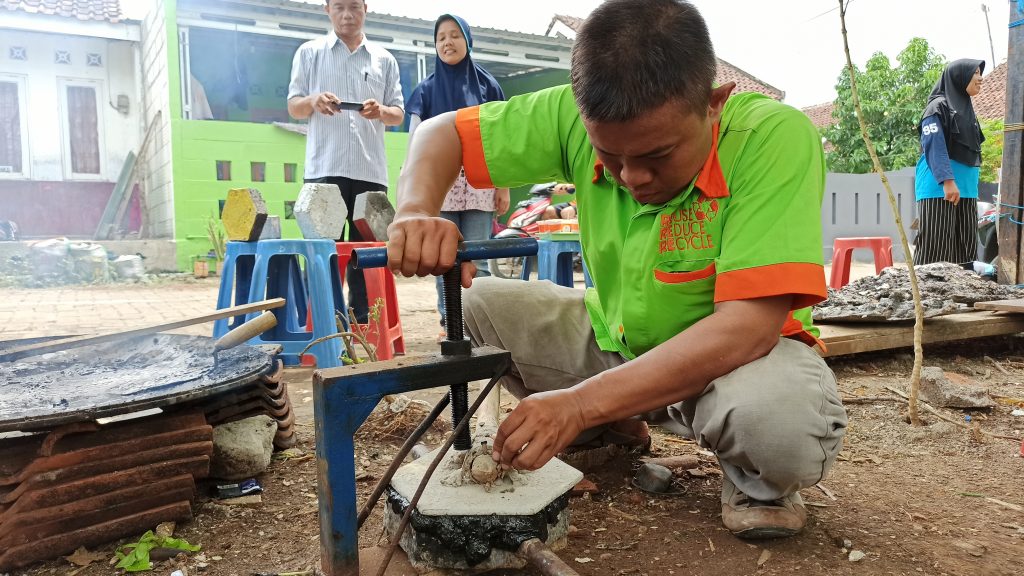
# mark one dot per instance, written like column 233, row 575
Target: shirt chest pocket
column 371, row 85
column 676, row 272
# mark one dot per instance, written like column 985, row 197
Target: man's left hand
column 538, row 429
column 371, row 109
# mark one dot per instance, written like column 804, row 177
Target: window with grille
column 12, row 128
column 83, row 129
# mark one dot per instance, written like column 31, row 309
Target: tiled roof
column 745, row 82
column 820, row 114
column 570, row 21
column 101, row 10
column 990, row 103
column 726, row 72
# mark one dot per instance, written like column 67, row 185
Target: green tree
column 892, row 100
column 991, row 150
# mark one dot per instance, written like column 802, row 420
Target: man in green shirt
column 700, row 224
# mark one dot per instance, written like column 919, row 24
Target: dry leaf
column 83, row 557
column 765, row 555
column 584, row 560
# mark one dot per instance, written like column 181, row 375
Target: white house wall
column 42, row 77
column 159, row 176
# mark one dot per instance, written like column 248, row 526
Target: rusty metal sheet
column 29, row 456
column 121, row 377
column 98, row 468
column 39, row 524
column 198, row 467
column 93, row 535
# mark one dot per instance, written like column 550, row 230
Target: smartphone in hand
column 354, row 106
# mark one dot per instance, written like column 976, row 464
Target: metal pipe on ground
column 542, row 558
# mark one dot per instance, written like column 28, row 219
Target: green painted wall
column 533, row 82
column 198, row 192
column 197, row 145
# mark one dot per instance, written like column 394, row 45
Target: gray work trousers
column 776, row 424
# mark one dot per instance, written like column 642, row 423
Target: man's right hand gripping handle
column 420, row 245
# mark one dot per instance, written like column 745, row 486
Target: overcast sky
column 794, row 45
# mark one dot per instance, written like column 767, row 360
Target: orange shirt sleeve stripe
column 467, row 123
column 806, row 282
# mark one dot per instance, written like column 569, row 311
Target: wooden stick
column 76, row 342
column 870, row 399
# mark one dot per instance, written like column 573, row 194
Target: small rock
column 165, row 529
column 1017, row 412
column 952, row 390
column 243, row 449
column 857, row 556
column 605, row 556
column 653, row 478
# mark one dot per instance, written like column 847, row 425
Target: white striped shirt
column 346, row 144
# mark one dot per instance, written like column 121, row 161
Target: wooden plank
column 121, row 189
column 1011, row 187
column 1015, row 305
column 842, row 339
column 68, row 343
column 133, row 178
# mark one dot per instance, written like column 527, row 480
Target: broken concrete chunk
column 938, row 389
column 320, row 212
column 372, row 215
column 244, row 214
column 242, row 449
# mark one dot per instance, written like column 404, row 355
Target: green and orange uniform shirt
column 748, row 226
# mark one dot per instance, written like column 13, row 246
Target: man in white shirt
column 346, row 147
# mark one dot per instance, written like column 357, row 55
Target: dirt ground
column 933, row 500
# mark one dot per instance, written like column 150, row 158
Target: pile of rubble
column 945, row 289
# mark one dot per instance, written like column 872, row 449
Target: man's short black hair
column 632, row 56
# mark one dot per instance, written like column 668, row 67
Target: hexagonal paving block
column 244, row 214
column 445, row 505
column 320, row 211
column 271, row 229
column 372, row 215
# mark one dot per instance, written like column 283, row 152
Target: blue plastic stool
column 554, row 262
column 271, row 277
column 236, row 282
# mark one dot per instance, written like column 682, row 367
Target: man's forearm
column 431, row 167
column 391, row 115
column 300, row 107
column 681, row 368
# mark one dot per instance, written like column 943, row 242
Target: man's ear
column 719, row 95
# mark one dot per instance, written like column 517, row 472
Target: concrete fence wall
column 857, row 205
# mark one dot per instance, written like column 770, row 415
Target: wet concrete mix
column 118, row 377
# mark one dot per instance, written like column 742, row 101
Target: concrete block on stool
column 244, row 214
column 372, row 215
column 271, row 228
column 320, row 212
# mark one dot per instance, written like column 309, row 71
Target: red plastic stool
column 842, row 253
column 380, row 283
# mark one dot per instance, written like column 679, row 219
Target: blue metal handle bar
column 473, row 250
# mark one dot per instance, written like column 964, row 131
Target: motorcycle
column 524, row 222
